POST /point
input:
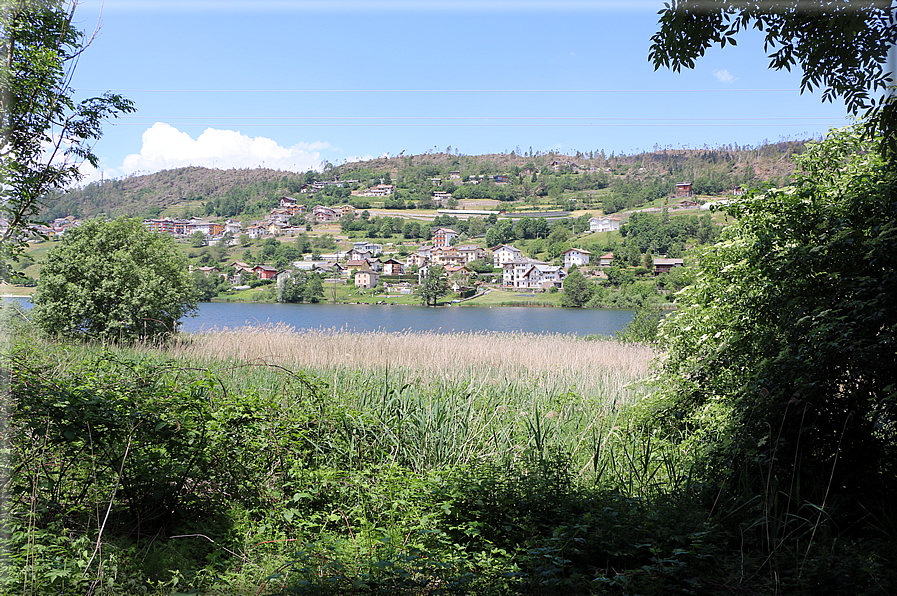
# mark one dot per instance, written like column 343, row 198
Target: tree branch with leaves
column 45, row 134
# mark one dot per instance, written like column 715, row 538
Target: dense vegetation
column 585, row 180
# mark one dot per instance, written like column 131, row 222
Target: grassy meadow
column 266, row 461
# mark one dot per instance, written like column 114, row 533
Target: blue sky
column 290, row 84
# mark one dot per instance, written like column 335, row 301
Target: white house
column 576, row 256
column 542, row 277
column 504, row 253
column 513, row 272
column 604, row 224
column 374, row 249
column 444, row 237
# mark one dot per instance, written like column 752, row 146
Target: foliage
column 208, row 286
column 841, row 46
column 300, row 287
column 652, row 233
column 113, row 281
column 44, row 134
column 434, row 286
column 643, row 326
column 779, row 354
column 577, row 289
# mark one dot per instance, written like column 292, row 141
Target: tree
column 113, row 280
column 434, row 286
column 841, row 46
column 781, row 355
column 197, row 239
column 577, row 290
column 291, row 288
column 44, row 134
column 314, row 289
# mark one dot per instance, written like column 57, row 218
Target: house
column 441, row 197
column 444, row 237
column 470, row 253
column 606, row 260
column 347, row 210
column 604, row 224
column 374, row 249
column 455, row 175
column 446, row 255
column 324, row 214
column 359, row 255
column 265, row 272
column 276, row 228
column 541, row 277
column 289, row 205
column 208, row 270
column 281, row 215
column 354, row 265
column 513, row 272
column 254, row 231
column 393, row 267
column 366, row 279
column 374, row 264
column 687, row 204
column 663, row 265
column 233, row 226
column 417, row 260
column 683, row 189
column 381, row 190
column 576, row 256
column 504, row 253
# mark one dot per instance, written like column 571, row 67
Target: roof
column 582, row 250
column 658, row 261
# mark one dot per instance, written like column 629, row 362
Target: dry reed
column 567, row 361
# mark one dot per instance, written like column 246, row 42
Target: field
column 265, row 461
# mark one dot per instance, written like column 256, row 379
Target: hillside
column 548, row 179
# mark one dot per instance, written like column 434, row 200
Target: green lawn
column 512, row 298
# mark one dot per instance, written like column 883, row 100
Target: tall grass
column 433, row 400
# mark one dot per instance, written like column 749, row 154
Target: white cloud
column 165, row 147
column 723, row 76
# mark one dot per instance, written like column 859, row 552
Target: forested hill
column 550, row 177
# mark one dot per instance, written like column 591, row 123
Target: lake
column 370, row 317
column 364, row 317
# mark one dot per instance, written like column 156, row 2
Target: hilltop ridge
column 618, row 181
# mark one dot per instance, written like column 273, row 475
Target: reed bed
column 588, row 366
column 444, row 399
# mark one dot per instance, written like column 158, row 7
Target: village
column 366, row 266
column 466, row 262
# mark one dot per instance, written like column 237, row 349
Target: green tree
column 434, row 286
column 577, row 289
column 841, row 46
column 782, row 354
column 314, row 289
column 292, row 289
column 44, row 134
column 113, row 280
column 205, row 286
column 197, row 239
